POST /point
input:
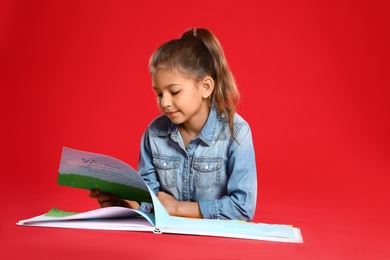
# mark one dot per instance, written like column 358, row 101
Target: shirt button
column 185, row 181
column 165, row 164
column 206, row 167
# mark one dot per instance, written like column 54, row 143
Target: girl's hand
column 179, row 208
column 168, row 201
column 110, row 200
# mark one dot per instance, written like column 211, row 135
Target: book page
column 232, row 228
column 114, row 213
column 89, row 171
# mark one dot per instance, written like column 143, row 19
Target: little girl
column 197, row 156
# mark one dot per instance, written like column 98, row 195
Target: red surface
column 314, row 78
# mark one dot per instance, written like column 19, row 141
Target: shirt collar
column 207, row 132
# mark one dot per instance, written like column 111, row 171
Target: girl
column 197, row 156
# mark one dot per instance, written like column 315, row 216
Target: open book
column 87, row 170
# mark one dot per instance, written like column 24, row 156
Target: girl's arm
column 145, row 165
column 179, row 208
column 240, row 199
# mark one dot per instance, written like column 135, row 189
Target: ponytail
column 198, row 54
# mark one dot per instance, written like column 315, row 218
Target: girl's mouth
column 171, row 113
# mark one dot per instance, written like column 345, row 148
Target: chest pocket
column 207, row 172
column 166, row 167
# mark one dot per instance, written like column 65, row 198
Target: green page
column 89, row 171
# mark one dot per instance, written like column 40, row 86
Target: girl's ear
column 207, row 87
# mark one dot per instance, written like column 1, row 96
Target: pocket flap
column 166, row 163
column 207, row 165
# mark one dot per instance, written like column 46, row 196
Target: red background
column 314, row 79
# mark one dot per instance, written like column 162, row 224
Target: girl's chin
column 176, row 121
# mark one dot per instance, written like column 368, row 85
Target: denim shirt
column 215, row 170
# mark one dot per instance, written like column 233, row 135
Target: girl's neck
column 191, row 128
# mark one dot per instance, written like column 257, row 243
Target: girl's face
column 183, row 100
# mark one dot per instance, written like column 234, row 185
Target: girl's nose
column 165, row 101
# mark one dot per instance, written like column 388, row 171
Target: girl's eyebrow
column 169, row 86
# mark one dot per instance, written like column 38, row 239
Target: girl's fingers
column 94, row 193
column 111, row 203
column 108, row 199
column 105, row 197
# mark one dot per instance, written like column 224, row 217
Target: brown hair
column 198, row 54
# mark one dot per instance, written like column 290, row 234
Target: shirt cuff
column 209, row 209
column 146, row 207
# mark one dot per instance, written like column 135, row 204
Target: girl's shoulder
column 241, row 127
column 239, row 121
column 238, row 118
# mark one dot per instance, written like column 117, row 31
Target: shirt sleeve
column 145, row 164
column 240, row 201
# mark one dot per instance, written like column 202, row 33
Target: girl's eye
column 175, row 92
